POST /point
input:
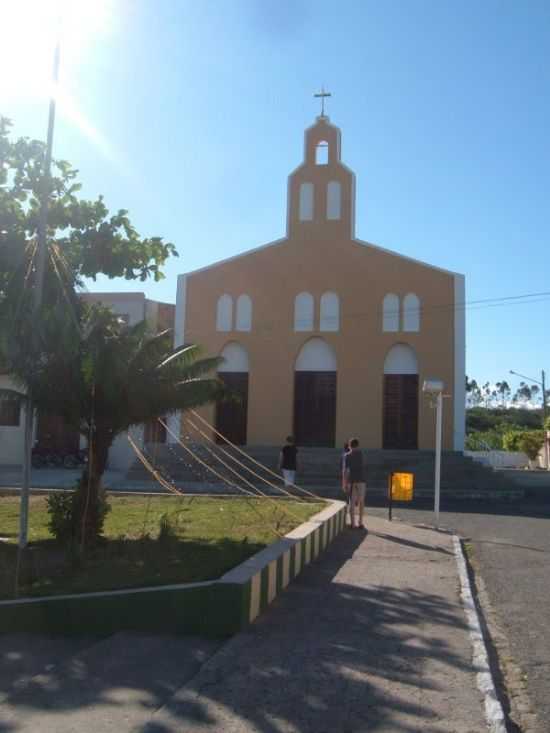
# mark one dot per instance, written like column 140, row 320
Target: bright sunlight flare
column 30, row 29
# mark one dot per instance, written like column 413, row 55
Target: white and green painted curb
column 213, row 608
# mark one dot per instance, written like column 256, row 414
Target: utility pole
column 545, row 432
column 40, row 266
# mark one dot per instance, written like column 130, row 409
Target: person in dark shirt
column 288, row 461
column 345, row 485
column 355, row 474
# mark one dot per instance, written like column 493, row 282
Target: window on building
column 224, row 313
column 244, row 313
column 306, row 201
column 330, row 312
column 10, row 411
column 334, row 196
column 390, row 317
column 411, row 312
column 303, row 312
column 321, row 153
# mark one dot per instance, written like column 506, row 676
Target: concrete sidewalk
column 371, row 637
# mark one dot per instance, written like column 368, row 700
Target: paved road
column 511, row 546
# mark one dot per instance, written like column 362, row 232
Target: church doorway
column 315, row 395
column 400, row 399
column 232, row 412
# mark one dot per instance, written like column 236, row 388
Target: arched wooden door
column 232, row 412
column 400, row 399
column 315, row 395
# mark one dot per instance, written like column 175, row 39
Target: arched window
column 411, row 312
column 330, row 312
column 224, row 313
column 316, row 356
column 303, row 312
column 244, row 313
column 390, row 318
column 321, row 153
column 334, row 195
column 401, row 359
column 306, row 201
column 235, row 359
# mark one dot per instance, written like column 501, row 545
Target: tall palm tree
column 119, row 377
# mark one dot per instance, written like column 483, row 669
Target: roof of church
column 282, row 240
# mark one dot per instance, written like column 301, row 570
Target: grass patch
column 148, row 541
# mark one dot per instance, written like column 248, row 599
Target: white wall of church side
column 459, row 392
column 174, row 420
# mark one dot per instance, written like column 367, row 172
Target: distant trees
column 499, row 419
column 500, row 395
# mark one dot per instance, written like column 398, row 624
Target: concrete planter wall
column 214, row 608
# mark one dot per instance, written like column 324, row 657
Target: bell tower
column 321, row 191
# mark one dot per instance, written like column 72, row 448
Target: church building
column 325, row 336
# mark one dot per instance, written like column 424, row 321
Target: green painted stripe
column 279, row 580
column 264, row 588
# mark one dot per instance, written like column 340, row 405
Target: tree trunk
column 89, row 507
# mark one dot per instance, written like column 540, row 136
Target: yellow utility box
column 401, row 486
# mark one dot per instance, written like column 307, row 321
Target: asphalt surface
column 511, row 550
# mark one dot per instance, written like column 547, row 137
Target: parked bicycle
column 44, row 458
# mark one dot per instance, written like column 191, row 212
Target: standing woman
column 346, row 488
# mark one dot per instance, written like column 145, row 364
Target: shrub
column 478, row 440
column 167, row 531
column 63, row 510
column 531, row 442
column 511, row 440
column 60, row 510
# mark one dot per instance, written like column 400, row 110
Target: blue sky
column 191, row 115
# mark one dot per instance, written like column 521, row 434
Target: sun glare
column 30, row 29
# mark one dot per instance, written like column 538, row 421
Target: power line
column 424, row 311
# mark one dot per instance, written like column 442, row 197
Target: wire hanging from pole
column 228, row 481
column 246, row 468
column 244, row 453
column 173, row 488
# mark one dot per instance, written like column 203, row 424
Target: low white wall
column 499, row 458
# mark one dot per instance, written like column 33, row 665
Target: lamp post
column 542, row 384
column 40, row 266
column 434, row 388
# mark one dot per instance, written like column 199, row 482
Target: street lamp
column 434, row 388
column 542, row 383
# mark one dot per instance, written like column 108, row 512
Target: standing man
column 355, row 473
column 288, row 461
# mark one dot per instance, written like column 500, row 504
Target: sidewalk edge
column 493, row 709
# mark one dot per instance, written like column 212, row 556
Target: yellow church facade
column 323, row 335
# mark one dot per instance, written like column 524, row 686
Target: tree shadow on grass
column 46, row 568
column 330, row 656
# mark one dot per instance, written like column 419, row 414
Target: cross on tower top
column 322, row 94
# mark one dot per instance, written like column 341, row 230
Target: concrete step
column 321, row 467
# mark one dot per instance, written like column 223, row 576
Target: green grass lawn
column 210, row 536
